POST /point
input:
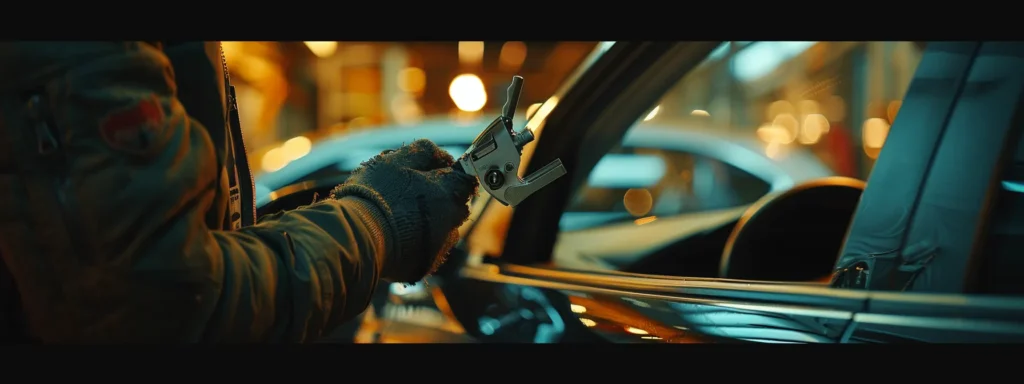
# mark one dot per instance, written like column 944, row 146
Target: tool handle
column 512, row 97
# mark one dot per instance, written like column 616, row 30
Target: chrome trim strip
column 484, row 275
column 672, row 284
column 950, row 324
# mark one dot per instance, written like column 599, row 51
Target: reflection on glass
column 754, row 118
column 631, row 183
column 813, row 97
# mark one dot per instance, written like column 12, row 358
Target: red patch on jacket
column 133, row 128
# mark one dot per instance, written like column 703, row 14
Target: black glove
column 424, row 202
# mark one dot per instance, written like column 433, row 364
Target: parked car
column 725, row 174
column 927, row 249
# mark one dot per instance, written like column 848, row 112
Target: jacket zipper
column 236, row 134
column 49, row 148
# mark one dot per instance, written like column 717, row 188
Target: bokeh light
column 468, row 93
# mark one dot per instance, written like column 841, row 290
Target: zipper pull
column 47, row 142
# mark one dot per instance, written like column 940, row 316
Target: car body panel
column 632, row 308
column 932, row 318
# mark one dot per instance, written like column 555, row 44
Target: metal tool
column 494, row 157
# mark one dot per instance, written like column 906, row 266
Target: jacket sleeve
column 293, row 276
column 140, row 180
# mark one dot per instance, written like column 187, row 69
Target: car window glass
column 754, row 118
column 645, row 183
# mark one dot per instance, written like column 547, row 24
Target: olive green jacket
column 127, row 214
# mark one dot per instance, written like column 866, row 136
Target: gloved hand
column 424, row 202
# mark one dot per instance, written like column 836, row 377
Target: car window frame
column 624, row 87
column 536, row 123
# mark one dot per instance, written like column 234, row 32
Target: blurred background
column 836, row 99
column 293, row 93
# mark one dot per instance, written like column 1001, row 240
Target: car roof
column 791, row 166
column 742, row 151
column 369, row 141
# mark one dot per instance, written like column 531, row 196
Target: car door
column 633, row 307
column 641, row 307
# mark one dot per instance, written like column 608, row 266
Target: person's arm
column 142, row 177
column 297, row 274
